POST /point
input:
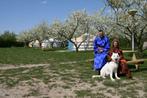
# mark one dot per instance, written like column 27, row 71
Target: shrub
column 8, row 39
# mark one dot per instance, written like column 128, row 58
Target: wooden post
column 134, row 59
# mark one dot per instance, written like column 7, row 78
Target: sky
column 19, row 15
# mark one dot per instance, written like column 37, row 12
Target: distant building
column 86, row 45
column 50, row 43
column 46, row 44
column 35, row 44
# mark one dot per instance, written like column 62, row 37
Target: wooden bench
column 134, row 60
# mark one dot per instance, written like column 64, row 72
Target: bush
column 8, row 39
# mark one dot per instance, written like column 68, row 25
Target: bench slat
column 138, row 61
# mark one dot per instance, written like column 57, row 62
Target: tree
column 55, row 31
column 7, row 39
column 128, row 24
column 101, row 21
column 25, row 37
column 76, row 25
column 40, row 32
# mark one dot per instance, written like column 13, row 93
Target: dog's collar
column 114, row 61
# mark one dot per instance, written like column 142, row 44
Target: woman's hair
column 115, row 40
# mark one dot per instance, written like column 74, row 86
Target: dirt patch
column 10, row 66
column 56, row 89
column 69, row 84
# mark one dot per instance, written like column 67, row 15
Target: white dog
column 110, row 68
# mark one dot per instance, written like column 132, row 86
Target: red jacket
column 116, row 50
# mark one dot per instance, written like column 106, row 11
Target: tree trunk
column 26, row 44
column 77, row 49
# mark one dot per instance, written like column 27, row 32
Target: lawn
column 63, row 80
column 37, row 56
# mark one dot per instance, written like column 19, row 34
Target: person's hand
column 100, row 49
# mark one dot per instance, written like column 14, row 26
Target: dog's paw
column 113, row 80
column 95, row 76
column 118, row 78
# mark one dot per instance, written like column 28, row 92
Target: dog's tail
column 96, row 76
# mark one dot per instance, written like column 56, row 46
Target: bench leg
column 134, row 58
column 137, row 66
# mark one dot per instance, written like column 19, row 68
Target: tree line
column 9, row 39
column 114, row 19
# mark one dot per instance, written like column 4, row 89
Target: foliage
column 55, row 32
column 39, row 32
column 128, row 23
column 116, row 22
column 100, row 21
column 76, row 25
column 8, row 39
column 25, row 37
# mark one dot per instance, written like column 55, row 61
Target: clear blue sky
column 19, row 15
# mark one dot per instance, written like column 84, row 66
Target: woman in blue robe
column 101, row 48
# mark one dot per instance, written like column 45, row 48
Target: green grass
column 11, row 77
column 35, row 56
column 70, row 74
column 83, row 93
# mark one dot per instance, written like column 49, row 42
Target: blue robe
column 100, row 57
